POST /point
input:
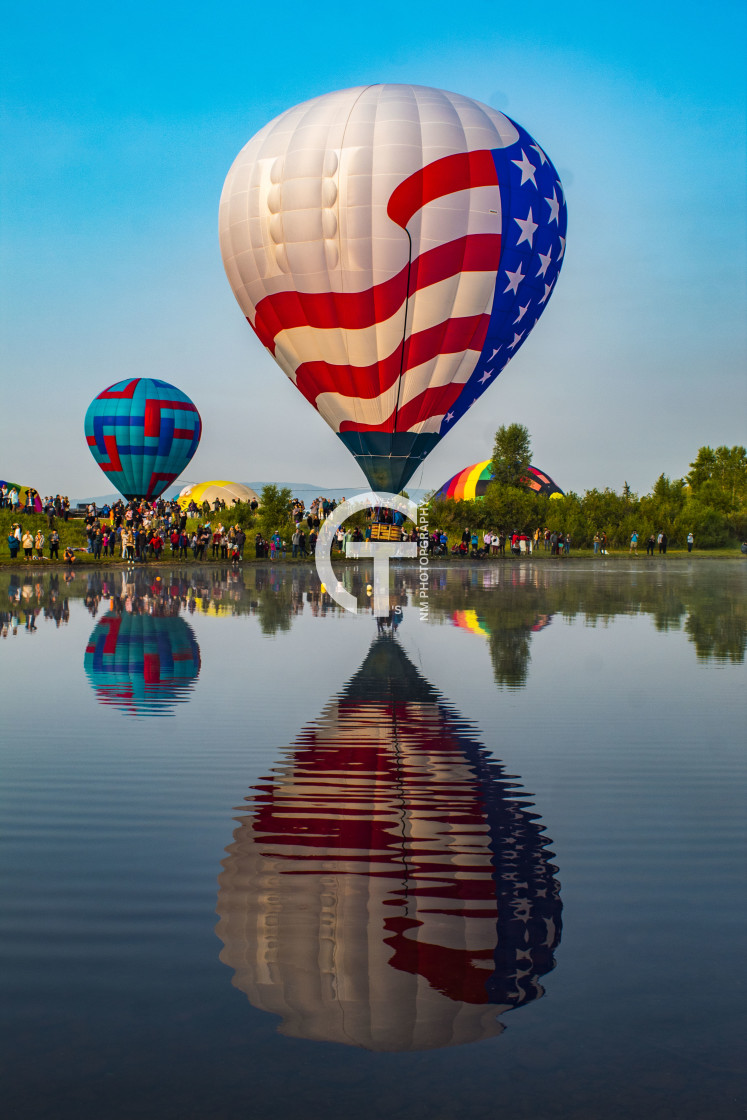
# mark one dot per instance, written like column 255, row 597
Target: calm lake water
column 261, row 858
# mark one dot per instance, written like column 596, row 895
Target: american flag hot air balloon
column 392, row 246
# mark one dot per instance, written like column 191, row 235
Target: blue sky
column 118, row 127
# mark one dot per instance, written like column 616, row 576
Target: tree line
column 710, row 501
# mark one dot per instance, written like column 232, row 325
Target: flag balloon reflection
column 390, row 887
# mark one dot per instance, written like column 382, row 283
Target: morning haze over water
column 264, row 857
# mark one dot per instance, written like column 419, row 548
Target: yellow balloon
column 209, row 491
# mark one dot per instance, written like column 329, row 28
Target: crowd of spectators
column 27, row 500
column 139, row 531
column 519, row 543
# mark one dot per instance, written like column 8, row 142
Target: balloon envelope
column 208, row 491
column 392, row 246
column 472, row 482
column 392, row 887
column 23, row 490
column 142, row 664
column 142, row 433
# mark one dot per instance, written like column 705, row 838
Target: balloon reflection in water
column 142, row 664
column 390, row 888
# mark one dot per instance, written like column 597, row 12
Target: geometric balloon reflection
column 142, row 664
column 389, row 887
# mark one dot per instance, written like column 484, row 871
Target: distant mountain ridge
column 302, row 490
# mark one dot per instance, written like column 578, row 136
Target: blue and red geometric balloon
column 142, row 433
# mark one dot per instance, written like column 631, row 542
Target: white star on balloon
column 539, row 152
column 486, row 376
column 522, row 313
column 548, row 289
column 562, row 247
column 528, row 169
column 528, row 226
column 514, row 279
column 545, row 258
column 495, row 351
column 554, row 204
column 516, row 341
column 448, row 416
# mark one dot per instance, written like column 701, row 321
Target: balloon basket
column 380, row 532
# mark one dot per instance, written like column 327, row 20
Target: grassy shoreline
column 88, row 562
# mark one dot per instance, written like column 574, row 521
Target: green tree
column 512, row 454
column 240, row 514
column 708, row 525
column 504, row 507
column 274, row 510
column 725, row 469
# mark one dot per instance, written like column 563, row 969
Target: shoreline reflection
column 389, row 887
column 507, row 604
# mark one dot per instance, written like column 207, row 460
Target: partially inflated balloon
column 472, row 482
column 142, row 433
column 392, row 246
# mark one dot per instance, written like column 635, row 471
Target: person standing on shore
column 634, row 542
column 650, row 545
column 54, row 545
column 690, row 541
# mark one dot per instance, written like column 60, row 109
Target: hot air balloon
column 142, row 433
column 472, row 482
column 392, row 246
column 229, row 492
column 391, row 887
column 142, row 664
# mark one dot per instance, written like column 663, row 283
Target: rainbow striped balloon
column 472, row 482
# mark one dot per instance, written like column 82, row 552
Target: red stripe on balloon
column 151, row 668
column 459, row 172
column 115, row 463
column 155, row 478
column 454, row 971
column 125, row 394
column 284, row 311
column 468, row 333
column 153, row 410
column 111, row 626
column 430, row 403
